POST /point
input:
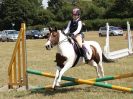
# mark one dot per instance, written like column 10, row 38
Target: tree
column 43, row 17
column 120, row 9
column 55, row 5
column 15, row 11
column 104, row 3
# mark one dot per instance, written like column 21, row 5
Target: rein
column 67, row 38
column 62, row 41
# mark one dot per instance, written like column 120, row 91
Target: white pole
column 129, row 38
column 106, row 47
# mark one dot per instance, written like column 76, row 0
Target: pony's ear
column 56, row 29
column 50, row 29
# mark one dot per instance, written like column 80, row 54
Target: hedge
column 91, row 24
column 95, row 24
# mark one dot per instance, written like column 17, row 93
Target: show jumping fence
column 122, row 52
column 94, row 81
column 18, row 71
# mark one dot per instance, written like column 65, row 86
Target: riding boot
column 84, row 55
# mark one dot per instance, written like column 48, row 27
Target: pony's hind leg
column 93, row 63
column 100, row 65
column 101, row 70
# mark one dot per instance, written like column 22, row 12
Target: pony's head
column 52, row 37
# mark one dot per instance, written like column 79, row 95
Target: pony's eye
column 48, row 34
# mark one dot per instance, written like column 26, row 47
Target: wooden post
column 17, row 67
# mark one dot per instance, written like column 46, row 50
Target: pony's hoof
column 57, row 87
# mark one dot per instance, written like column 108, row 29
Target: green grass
column 41, row 59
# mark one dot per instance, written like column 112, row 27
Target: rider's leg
column 79, row 40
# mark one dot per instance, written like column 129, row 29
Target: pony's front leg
column 56, row 77
column 68, row 65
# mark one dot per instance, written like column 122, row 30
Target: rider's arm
column 68, row 28
column 79, row 28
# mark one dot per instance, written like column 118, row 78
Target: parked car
column 0, row 35
column 113, row 31
column 44, row 32
column 33, row 34
column 9, row 35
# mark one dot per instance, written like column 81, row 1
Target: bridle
column 54, row 37
column 60, row 42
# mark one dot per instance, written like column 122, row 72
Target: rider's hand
column 69, row 34
column 72, row 35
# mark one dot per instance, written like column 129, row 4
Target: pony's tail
column 105, row 59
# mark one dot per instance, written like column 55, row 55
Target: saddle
column 77, row 49
column 76, row 46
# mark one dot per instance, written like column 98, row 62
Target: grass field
column 41, row 59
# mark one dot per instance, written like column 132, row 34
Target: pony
column 67, row 57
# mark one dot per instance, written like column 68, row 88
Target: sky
column 45, row 3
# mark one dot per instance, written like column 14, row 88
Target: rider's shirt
column 74, row 27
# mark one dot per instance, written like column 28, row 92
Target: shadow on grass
column 51, row 92
column 47, row 92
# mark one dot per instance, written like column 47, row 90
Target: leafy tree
column 60, row 9
column 89, row 10
column 55, row 5
column 120, row 9
column 43, row 17
column 104, row 3
column 67, row 10
column 14, row 11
